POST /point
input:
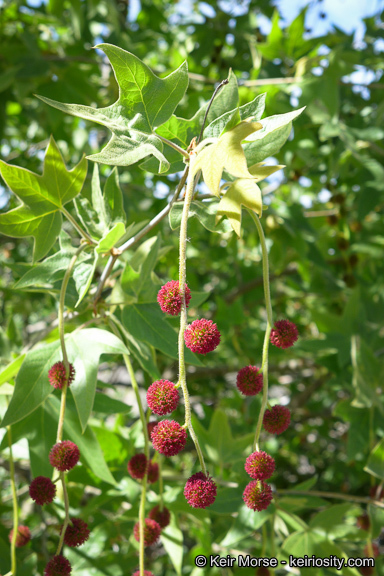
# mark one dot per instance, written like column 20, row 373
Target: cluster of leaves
column 327, row 272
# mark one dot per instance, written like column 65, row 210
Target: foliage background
column 324, row 227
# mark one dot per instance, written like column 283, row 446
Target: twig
column 334, row 495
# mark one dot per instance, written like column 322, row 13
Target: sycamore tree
column 191, row 230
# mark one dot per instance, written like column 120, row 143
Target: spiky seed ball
column 150, row 427
column 23, row 536
column 169, row 438
column 260, row 465
column 58, row 566
column 162, row 517
column 284, row 334
column 363, row 522
column 77, row 533
column 169, row 297
column 146, row 573
column 64, row 455
column 162, row 397
column 200, row 490
column 257, row 495
column 153, row 472
column 152, row 531
column 375, row 550
column 42, row 490
column 277, row 420
column 249, row 380
column 137, row 466
column 202, row 336
column 56, row 375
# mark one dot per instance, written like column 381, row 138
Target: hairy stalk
column 113, row 324
column 75, row 224
column 66, row 507
column 160, row 462
column 183, row 312
column 131, row 241
column 62, row 339
column 173, row 145
column 267, row 296
column 15, row 504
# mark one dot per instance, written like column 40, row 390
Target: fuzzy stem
column 173, row 145
column 66, row 519
column 267, row 296
column 113, row 323
column 82, row 232
column 15, row 504
column 62, row 339
column 183, row 312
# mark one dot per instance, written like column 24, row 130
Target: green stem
column 173, row 145
column 267, row 296
column 183, row 313
column 15, row 504
column 114, row 322
column 66, row 519
column 82, row 232
column 62, row 339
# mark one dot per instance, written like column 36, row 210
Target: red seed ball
column 152, row 532
column 146, row 573
column 64, row 455
column 200, row 490
column 58, row 566
column 202, row 336
column 363, row 522
column 257, row 495
column 284, row 334
column 23, row 536
column 367, row 570
column 169, row 438
column 162, row 397
column 42, row 490
column 260, row 465
column 153, row 472
column 56, row 375
column 150, row 427
column 77, row 533
column 162, row 517
column 277, row 419
column 169, row 297
column 249, row 380
column 262, row 571
column 137, row 466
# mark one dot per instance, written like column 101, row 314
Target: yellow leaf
column 242, row 192
column 225, row 154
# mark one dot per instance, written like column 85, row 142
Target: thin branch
column 334, row 495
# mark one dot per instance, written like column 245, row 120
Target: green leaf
column 84, row 349
column 172, row 540
column 246, row 523
column 300, row 543
column 88, row 217
column 181, row 131
column 251, row 111
column 146, row 322
column 110, row 238
column 375, row 464
column 268, row 141
column 137, row 112
column 226, row 154
column 113, row 199
column 83, row 275
column 42, row 199
column 106, row 405
column 205, row 212
column 328, row 520
column 11, row 370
